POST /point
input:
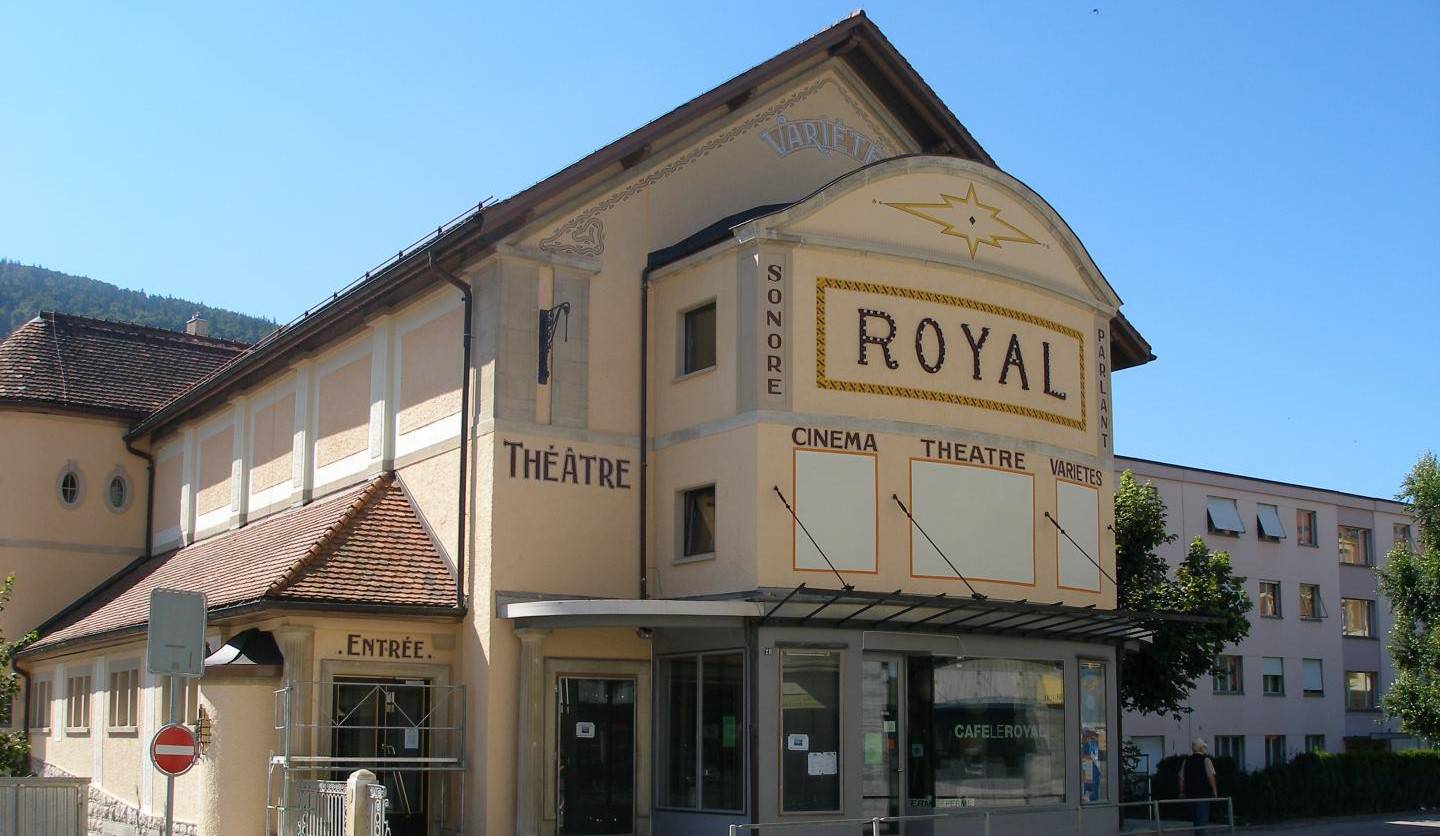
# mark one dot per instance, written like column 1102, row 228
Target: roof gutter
column 467, row 294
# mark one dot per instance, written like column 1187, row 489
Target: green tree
column 1158, row 678
column 14, row 746
column 1411, row 580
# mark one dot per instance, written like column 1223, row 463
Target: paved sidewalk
column 1395, row 824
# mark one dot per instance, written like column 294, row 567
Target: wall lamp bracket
column 549, row 322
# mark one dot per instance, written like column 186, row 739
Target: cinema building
column 754, row 468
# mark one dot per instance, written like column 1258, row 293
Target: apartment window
column 188, row 708
column 1311, row 607
column 1268, row 517
column 1305, row 528
column 1359, row 690
column 1314, row 743
column 1355, row 546
column 1273, row 676
column 77, row 702
column 1222, row 517
column 702, row 754
column 1275, row 750
column 40, row 696
column 1228, row 678
column 809, row 731
column 1358, row 619
column 124, row 692
column 1231, row 746
column 1402, row 537
column 1270, row 599
column 1312, row 673
column 698, row 512
column 699, row 345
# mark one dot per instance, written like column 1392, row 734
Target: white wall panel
column 1078, row 509
column 835, row 498
column 981, row 518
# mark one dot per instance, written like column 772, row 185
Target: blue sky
column 1257, row 180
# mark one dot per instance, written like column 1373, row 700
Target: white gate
column 319, row 809
column 44, row 806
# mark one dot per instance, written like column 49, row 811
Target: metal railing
column 378, row 805
column 319, row 808
column 982, row 818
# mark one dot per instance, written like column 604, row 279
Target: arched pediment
column 947, row 210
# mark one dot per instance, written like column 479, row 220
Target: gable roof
column 856, row 40
column 363, row 548
column 95, row 365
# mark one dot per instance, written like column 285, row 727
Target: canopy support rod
column 794, row 516
column 877, row 602
column 1081, row 550
column 791, row 594
column 973, row 594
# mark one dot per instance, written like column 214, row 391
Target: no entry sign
column 173, row 749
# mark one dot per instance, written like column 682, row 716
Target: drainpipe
column 149, row 492
column 644, row 420
column 465, row 293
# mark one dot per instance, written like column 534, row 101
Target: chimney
column 197, row 326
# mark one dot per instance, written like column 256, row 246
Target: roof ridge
column 377, row 488
column 181, row 336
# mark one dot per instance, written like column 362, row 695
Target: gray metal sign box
column 176, row 636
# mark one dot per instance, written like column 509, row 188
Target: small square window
column 40, row 710
column 1359, row 690
column 1268, row 516
column 1273, row 682
column 1231, row 746
column 124, row 692
column 1270, row 599
column 1275, row 754
column 699, row 522
column 1357, row 617
column 1354, row 546
column 1402, row 536
column 77, row 703
column 1222, row 516
column 1313, row 673
column 1315, row 743
column 1228, row 677
column 699, row 337
column 1305, row 527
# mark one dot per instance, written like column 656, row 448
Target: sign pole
column 175, row 686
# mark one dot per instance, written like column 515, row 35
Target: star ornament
column 966, row 217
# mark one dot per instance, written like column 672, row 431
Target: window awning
column 1223, row 516
column 1270, row 525
column 802, row 606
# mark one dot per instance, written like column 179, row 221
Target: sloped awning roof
column 363, row 549
column 849, row 608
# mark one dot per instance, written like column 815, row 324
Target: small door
column 595, row 769
column 385, row 718
column 881, row 785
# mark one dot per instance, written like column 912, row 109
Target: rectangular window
column 809, row 731
column 1228, row 677
column 1273, row 676
column 1355, row 546
column 1275, row 750
column 986, row 732
column 1152, row 751
column 188, row 707
column 77, row 702
column 1358, row 617
column 1315, row 743
column 124, row 689
column 698, row 522
column 1312, row 672
column 1231, row 746
column 1359, row 690
column 702, row 751
column 1270, row 599
column 1310, row 604
column 1268, row 516
column 1094, row 744
column 699, row 351
column 1305, row 528
column 1402, row 536
column 40, row 711
column 1222, row 517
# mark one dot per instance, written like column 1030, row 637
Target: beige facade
column 903, row 394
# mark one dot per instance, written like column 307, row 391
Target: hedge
column 1322, row 784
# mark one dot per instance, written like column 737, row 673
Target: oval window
column 119, row 492
column 70, row 488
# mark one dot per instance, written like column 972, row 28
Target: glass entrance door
column 380, row 719
column 882, row 695
column 595, row 769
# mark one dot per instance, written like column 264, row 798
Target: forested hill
column 26, row 290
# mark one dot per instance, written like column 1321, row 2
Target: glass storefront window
column 1094, row 749
column 986, row 732
column 809, row 730
column 702, row 742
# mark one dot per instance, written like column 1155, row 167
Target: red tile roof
column 94, row 364
column 365, row 546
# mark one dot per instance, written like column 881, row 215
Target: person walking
column 1197, row 780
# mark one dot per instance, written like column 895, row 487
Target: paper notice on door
column 874, row 748
column 412, row 738
column 823, row 763
column 798, row 742
column 585, row 730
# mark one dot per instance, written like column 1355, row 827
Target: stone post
column 357, row 802
column 530, row 733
